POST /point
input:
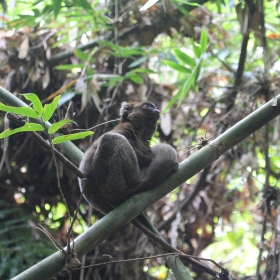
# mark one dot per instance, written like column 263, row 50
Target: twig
column 123, row 261
column 56, row 245
column 57, row 175
column 92, row 128
column 169, row 248
column 179, row 254
column 272, row 270
column 262, row 241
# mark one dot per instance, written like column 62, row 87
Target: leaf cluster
column 44, row 113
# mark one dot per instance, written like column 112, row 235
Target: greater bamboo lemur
column 121, row 163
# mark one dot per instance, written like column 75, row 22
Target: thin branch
column 180, row 255
column 262, row 241
column 94, row 127
column 58, row 179
column 273, row 271
column 167, row 247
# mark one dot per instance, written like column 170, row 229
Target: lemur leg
column 112, row 167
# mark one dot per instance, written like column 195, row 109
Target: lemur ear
column 125, row 109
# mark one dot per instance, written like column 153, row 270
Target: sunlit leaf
column 37, row 105
column 186, row 86
column 26, row 127
column 69, row 66
column 24, row 20
column 172, row 100
column 49, row 109
column 128, row 52
column 56, row 126
column 184, row 58
column 198, row 68
column 197, row 50
column 203, row 40
column 24, row 111
column 141, row 70
column 58, row 210
column 188, row 3
column 70, row 137
column 177, row 67
column 136, row 79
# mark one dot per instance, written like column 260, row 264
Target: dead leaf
column 274, row 102
column 48, row 52
column 93, row 88
column 173, row 233
column 165, row 119
column 81, row 86
column 24, row 47
column 46, row 78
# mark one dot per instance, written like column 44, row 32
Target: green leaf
column 49, row 109
column 172, row 100
column 197, row 50
column 69, row 66
column 56, row 126
column 127, row 52
column 136, row 79
column 188, row 3
column 138, row 61
column 123, row 51
column 24, row 111
column 84, row 4
column 186, row 86
column 81, row 55
column 203, row 40
column 37, row 105
column 56, row 7
column 177, row 67
column 198, row 68
column 26, row 127
column 184, row 58
column 140, row 70
column 111, row 45
column 181, row 8
column 69, row 137
column 219, row 6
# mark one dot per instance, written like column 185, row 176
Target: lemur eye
column 148, row 106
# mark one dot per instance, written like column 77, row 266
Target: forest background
column 206, row 65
